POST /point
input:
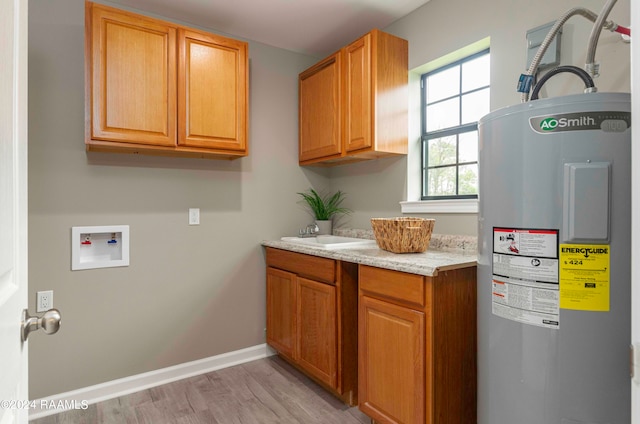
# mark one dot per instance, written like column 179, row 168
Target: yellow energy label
column 584, row 277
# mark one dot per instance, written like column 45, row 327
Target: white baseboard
column 81, row 398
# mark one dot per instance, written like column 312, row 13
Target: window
column 453, row 98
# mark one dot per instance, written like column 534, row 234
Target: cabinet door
column 317, row 332
column 358, row 94
column 391, row 380
column 319, row 108
column 132, row 74
column 212, row 92
column 281, row 311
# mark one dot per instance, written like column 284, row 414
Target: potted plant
column 324, row 207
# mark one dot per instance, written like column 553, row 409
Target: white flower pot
column 325, row 226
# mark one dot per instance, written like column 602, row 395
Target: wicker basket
column 403, row 235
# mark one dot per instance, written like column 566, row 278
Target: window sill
column 440, row 206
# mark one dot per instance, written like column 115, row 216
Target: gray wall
column 443, row 26
column 191, row 291
column 194, row 292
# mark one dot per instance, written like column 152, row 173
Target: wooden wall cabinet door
column 319, row 110
column 391, row 362
column 281, row 311
column 316, row 330
column 376, row 96
column 357, row 95
column 212, row 95
column 132, row 78
column 158, row 88
column 354, row 104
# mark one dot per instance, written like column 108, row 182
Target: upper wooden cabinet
column 354, row 104
column 212, row 92
column 154, row 87
column 319, row 110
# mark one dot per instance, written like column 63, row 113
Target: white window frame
column 413, row 203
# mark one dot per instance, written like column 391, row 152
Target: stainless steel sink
column 332, row 242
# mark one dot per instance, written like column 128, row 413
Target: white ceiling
column 314, row 27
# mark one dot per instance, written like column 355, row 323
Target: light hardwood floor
column 266, row 391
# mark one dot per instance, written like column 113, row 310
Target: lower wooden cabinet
column 401, row 346
column 316, row 330
column 312, row 318
column 281, row 311
column 393, row 379
column 417, row 346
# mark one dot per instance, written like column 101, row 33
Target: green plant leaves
column 324, row 207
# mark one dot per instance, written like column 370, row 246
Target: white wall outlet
column 194, row 216
column 44, row 301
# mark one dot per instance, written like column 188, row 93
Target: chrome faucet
column 309, row 231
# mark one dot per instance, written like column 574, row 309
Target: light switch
column 194, row 216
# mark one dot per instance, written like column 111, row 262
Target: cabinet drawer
column 395, row 285
column 313, row 267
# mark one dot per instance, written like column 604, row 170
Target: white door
column 635, row 207
column 13, row 208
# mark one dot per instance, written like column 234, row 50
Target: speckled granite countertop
column 444, row 252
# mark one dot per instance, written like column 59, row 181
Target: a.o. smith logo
column 550, row 124
column 605, row 121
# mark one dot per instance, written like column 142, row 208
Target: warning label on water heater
column 525, row 276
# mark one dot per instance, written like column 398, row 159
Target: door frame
column 635, row 208
column 14, row 387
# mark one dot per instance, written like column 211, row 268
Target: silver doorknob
column 49, row 322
